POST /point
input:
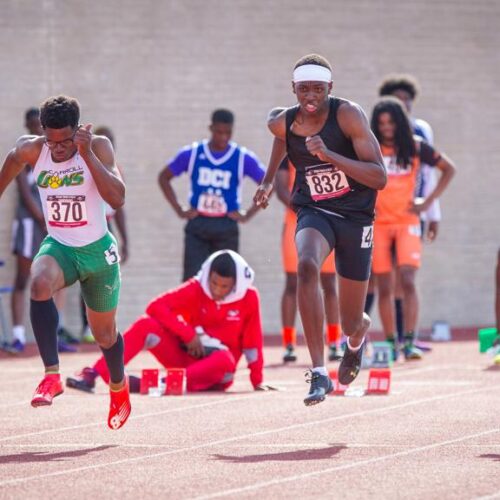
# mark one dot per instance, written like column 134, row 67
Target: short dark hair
column 59, row 112
column 313, row 59
column 31, row 113
column 223, row 116
column 392, row 83
column 403, row 136
column 224, row 266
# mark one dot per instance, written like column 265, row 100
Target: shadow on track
column 287, row 456
column 48, row 456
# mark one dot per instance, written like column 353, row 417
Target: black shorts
column 27, row 236
column 205, row 235
column 351, row 241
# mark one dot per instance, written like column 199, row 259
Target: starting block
column 487, row 337
column 150, row 378
column 175, row 382
column 379, row 381
column 338, row 388
column 381, row 355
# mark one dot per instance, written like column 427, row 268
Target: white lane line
column 86, row 445
column 19, row 403
column 256, row 446
column 433, row 383
column 489, row 497
column 248, row 436
column 227, row 399
column 351, row 465
column 403, row 370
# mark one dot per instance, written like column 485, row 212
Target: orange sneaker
column 50, row 387
column 119, row 407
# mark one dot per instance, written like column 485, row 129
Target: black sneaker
column 289, row 356
column 350, row 365
column 321, row 385
column 334, row 353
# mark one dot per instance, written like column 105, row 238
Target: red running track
column 437, row 435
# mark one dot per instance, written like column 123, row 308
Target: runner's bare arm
column 97, row 151
column 277, row 125
column 164, row 179
column 265, row 188
column 27, row 197
column 447, row 172
column 26, row 150
column 276, row 118
column 281, row 183
column 369, row 169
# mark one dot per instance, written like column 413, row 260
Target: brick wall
column 154, row 70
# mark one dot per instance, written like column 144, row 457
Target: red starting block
column 149, row 378
column 379, row 381
column 338, row 388
column 175, row 382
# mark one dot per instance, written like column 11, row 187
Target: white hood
column 244, row 276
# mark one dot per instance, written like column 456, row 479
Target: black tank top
column 356, row 204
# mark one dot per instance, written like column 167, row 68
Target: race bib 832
column 325, row 181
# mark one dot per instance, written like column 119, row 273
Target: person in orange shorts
column 397, row 223
column 284, row 181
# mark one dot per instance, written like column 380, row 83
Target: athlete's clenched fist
column 83, row 138
column 261, row 198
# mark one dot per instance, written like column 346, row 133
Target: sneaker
column 47, row 390
column 85, row 381
column 66, row 336
column 423, row 346
column 289, row 356
column 334, row 353
column 395, row 347
column 119, row 407
column 15, row 347
column 350, row 365
column 63, row 347
column 412, row 353
column 321, row 385
column 87, row 337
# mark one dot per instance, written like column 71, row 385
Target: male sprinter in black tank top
column 339, row 168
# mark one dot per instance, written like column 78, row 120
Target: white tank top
column 73, row 208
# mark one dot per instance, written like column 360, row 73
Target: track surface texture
column 436, row 435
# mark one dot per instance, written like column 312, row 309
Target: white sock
column 354, row 349
column 321, row 370
column 19, row 333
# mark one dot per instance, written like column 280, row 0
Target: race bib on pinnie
column 211, row 205
column 66, row 210
column 325, row 181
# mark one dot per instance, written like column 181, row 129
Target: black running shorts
column 351, row 241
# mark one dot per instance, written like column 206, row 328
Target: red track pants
column 212, row 372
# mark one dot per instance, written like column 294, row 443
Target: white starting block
column 441, row 332
column 381, row 355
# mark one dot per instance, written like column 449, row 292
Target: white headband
column 312, row 73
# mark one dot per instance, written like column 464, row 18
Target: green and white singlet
column 74, row 210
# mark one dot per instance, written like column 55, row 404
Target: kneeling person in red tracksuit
column 204, row 325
